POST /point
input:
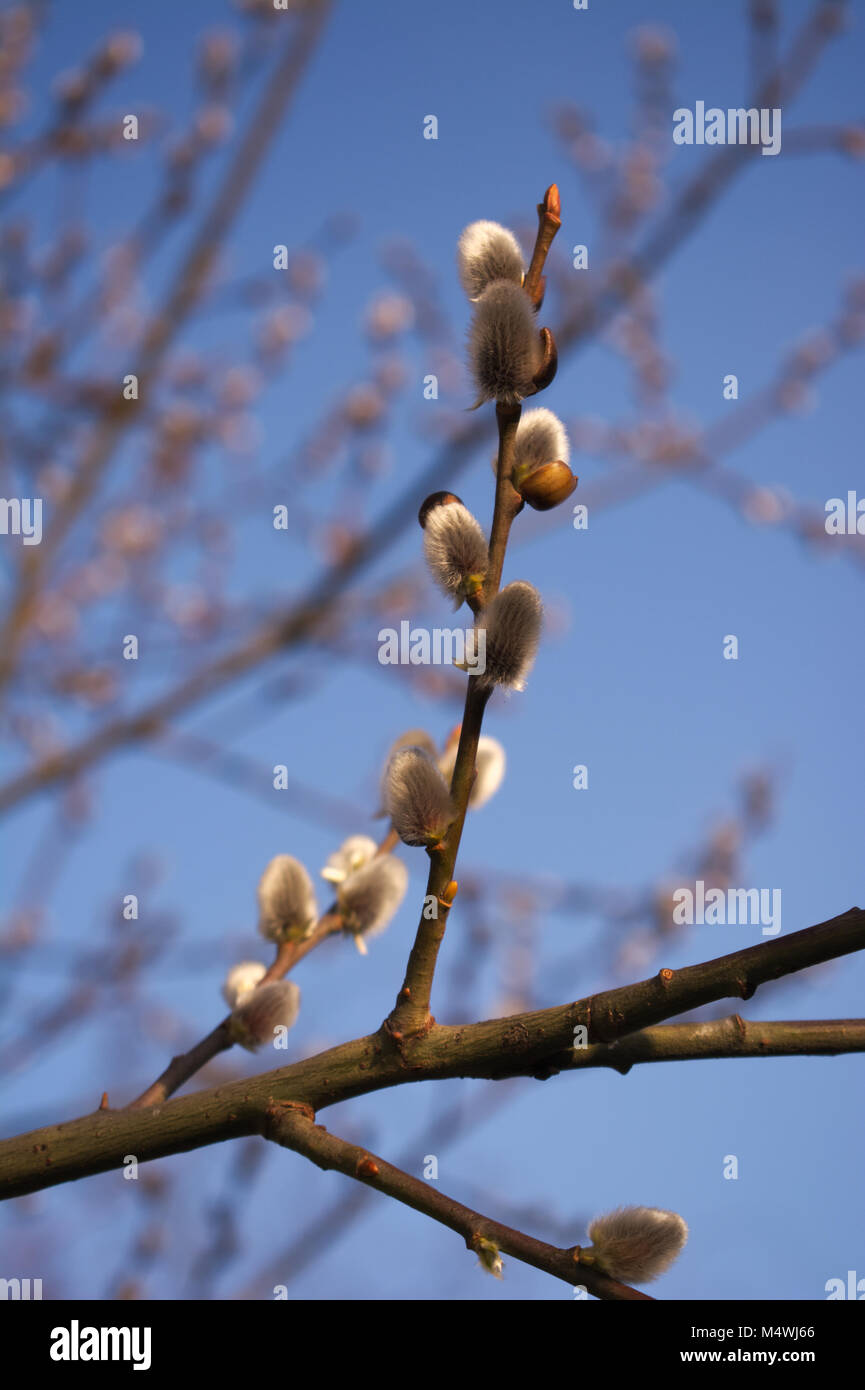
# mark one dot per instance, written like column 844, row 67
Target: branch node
column 276, row 1108
column 448, row 895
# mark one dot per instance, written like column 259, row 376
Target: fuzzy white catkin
column 490, row 763
column 636, row 1244
column 416, row 798
column 242, row 980
column 487, row 251
column 513, row 629
column 455, row 549
column 352, row 854
column 370, row 897
column 267, row 1008
column 286, row 900
column 504, row 345
column 412, row 738
column 540, row 438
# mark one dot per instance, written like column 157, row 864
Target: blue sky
column 632, row 683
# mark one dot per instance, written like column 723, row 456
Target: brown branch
column 549, row 222
column 181, row 1068
column 539, row 1043
column 722, row 1038
column 186, row 1064
column 733, row 1036
column 730, row 1037
column 295, row 1129
column 411, row 1013
column 508, row 502
column 331, row 1223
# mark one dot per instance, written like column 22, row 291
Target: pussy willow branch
column 729, row 1037
column 293, row 1129
column 689, row 207
column 538, row 1043
column 308, row 1242
column 412, row 1010
column 411, row 1013
column 186, row 1064
column 288, row 955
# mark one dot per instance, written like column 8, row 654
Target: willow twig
column 295, row 1129
column 411, row 1013
column 288, row 955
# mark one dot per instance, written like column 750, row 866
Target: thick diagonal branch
column 538, row 1043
